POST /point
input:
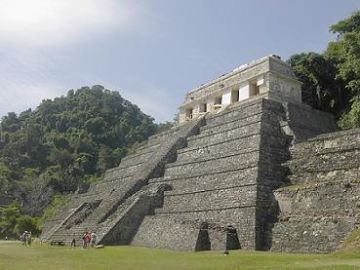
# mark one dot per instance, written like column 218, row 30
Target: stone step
column 141, row 151
column 266, row 155
column 242, row 109
column 52, row 224
column 168, row 132
column 221, row 170
column 121, row 209
column 347, row 138
column 319, row 199
column 150, row 144
column 108, row 203
column 124, row 193
column 265, row 117
column 228, row 147
column 66, row 236
column 326, row 162
column 156, row 180
column 111, row 174
column 230, row 161
column 129, row 215
column 242, row 143
column 318, row 151
column 224, row 135
column 120, row 170
column 236, row 133
column 271, row 138
column 136, row 160
column 83, row 227
column 209, row 199
column 126, row 171
column 215, row 180
column 231, row 114
column 107, row 188
column 157, row 139
column 324, row 176
column 115, row 178
column 207, row 130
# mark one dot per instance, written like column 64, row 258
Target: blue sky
column 151, row 51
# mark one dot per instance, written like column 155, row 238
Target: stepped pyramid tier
column 323, row 204
column 222, row 177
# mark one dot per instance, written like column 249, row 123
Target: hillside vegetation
column 65, row 142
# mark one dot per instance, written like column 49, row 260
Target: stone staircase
column 322, row 206
column 95, row 209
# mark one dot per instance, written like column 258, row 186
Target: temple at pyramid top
column 267, row 77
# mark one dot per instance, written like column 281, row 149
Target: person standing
column 73, row 242
column 84, row 239
column 23, row 238
column 29, row 239
column 88, row 239
column 93, row 239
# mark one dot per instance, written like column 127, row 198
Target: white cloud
column 34, row 37
column 60, row 22
column 19, row 95
column 25, row 80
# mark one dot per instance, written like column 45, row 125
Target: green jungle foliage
column 331, row 81
column 13, row 223
column 65, row 142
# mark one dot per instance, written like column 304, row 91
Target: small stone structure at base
column 249, row 172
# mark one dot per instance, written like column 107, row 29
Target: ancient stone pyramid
column 239, row 174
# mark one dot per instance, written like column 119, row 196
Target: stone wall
column 303, row 122
column 321, row 207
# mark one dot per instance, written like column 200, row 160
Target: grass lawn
column 16, row 257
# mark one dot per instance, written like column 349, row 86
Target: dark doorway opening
column 232, row 239
column 203, row 239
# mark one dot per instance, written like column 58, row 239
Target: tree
column 106, row 159
column 10, row 122
column 27, row 223
column 4, row 178
column 8, row 217
column 320, row 89
column 346, row 51
column 331, row 81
